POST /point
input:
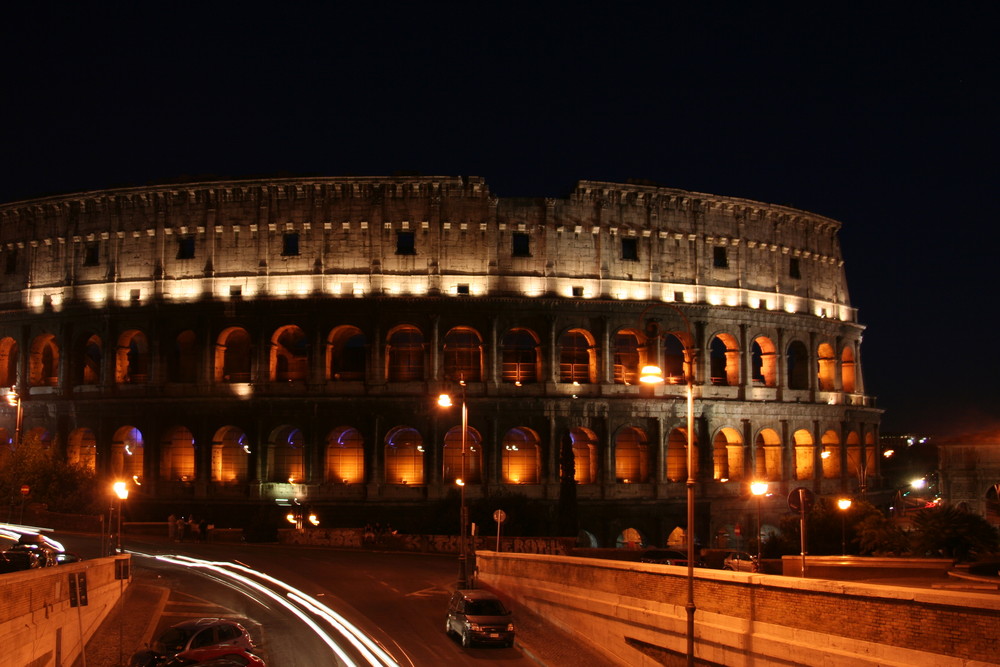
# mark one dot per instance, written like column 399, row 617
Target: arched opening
column 177, row 455
column 183, row 366
column 132, row 358
column 584, row 444
column 127, row 454
column 346, row 352
column 81, row 449
column 404, row 456
column 92, row 357
column 230, row 455
column 674, row 363
column 519, row 358
column 521, row 457
column 232, row 356
column 8, row 362
column 452, row 456
column 345, row 456
column 763, row 362
column 827, row 367
column 463, row 355
column 830, row 455
column 577, row 358
column 847, row 371
column 627, row 361
column 727, row 451
column 287, row 456
column 805, row 467
column 631, row 456
column 724, row 357
column 43, row 367
column 768, row 456
column 855, row 457
column 677, row 468
column 289, row 355
column 798, row 365
column 405, row 355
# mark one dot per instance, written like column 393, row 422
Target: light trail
column 298, row 603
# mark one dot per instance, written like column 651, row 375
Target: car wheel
column 447, row 627
column 466, row 639
column 727, row 567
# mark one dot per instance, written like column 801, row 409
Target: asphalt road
column 397, row 599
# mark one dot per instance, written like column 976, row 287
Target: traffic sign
column 25, row 489
column 499, row 516
column 801, row 499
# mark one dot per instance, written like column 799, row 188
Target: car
column 209, row 656
column 195, row 638
column 479, row 617
column 740, row 561
column 47, row 551
column 667, row 557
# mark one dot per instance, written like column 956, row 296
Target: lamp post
column 653, row 374
column 444, row 400
column 122, row 492
column 758, row 489
column 844, row 504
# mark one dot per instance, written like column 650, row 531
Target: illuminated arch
column 848, row 377
column 727, row 455
column 345, row 456
column 132, row 358
column 346, row 354
column 631, row 456
column 81, row 449
column 826, row 372
column 9, row 353
column 629, row 355
column 177, row 455
column 805, row 466
column 404, row 456
column 43, row 366
column 127, row 454
column 521, row 456
column 463, row 355
column 763, row 362
column 768, row 456
column 830, row 455
column 577, row 357
column 584, row 444
column 452, row 456
column 724, row 357
column 404, row 354
column 519, row 358
column 286, row 456
column 232, row 355
column 230, row 455
column 676, row 461
column 288, row 358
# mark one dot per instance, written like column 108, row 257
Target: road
column 397, row 599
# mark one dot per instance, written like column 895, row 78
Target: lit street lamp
column 653, row 374
column 444, row 400
column 122, row 492
column 844, row 504
column 758, row 489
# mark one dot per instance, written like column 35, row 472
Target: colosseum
column 226, row 345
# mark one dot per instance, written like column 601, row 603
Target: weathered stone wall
column 636, row 615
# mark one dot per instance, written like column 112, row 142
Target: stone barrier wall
column 635, row 614
column 38, row 625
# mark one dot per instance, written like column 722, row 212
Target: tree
column 61, row 486
column 953, row 532
column 879, row 536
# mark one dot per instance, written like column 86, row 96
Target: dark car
column 740, row 561
column 667, row 557
column 30, row 551
column 479, row 617
column 194, row 638
column 216, row 656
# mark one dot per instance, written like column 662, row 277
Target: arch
column 577, row 357
column 81, row 449
column 232, row 355
column 286, row 456
column 132, row 358
column 345, row 456
column 826, row 367
column 346, row 354
column 463, row 355
column 584, row 444
column 91, row 360
column 677, row 469
column 519, row 357
column 628, row 349
column 724, row 357
column 805, row 467
column 855, row 458
column 848, row 377
column 9, row 353
column 127, row 454
column 521, row 456
column 830, row 454
column 631, row 456
column 763, row 362
column 630, row 538
column 43, row 366
column 871, row 454
column 404, row 456
column 177, row 455
column 768, row 456
column 230, row 455
column 183, row 365
column 39, row 438
column 288, row 359
column 797, row 360
column 404, row 354
column 451, row 456
column 727, row 455
column 674, row 364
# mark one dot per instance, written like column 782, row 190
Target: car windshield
column 174, row 638
column 485, row 608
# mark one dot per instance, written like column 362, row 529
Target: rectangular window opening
column 91, row 254
column 185, row 247
column 719, row 257
column 290, row 244
column 630, row 249
column 520, row 245
column 577, row 291
column 794, row 271
column 462, row 289
column 405, row 244
column 235, row 291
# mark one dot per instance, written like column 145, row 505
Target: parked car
column 667, row 557
column 740, row 561
column 211, row 656
column 47, row 550
column 198, row 639
column 479, row 617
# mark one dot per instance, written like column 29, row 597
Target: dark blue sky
column 882, row 117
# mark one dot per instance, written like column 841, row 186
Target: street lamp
column 844, row 504
column 653, row 374
column 444, row 400
column 758, row 489
column 122, row 492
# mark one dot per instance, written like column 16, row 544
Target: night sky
column 883, row 117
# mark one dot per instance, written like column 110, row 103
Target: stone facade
column 237, row 342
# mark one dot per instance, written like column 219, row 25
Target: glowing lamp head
column 313, row 519
column 12, row 398
column 825, row 454
column 844, row 503
column 918, row 483
column 290, row 518
column 444, row 400
column 460, row 482
column 758, row 488
column 651, row 375
column 121, row 490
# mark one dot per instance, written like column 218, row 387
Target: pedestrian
column 172, row 527
column 180, row 529
column 193, row 528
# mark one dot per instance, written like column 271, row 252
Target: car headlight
column 510, row 627
column 475, row 627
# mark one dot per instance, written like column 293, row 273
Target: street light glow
column 121, row 490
